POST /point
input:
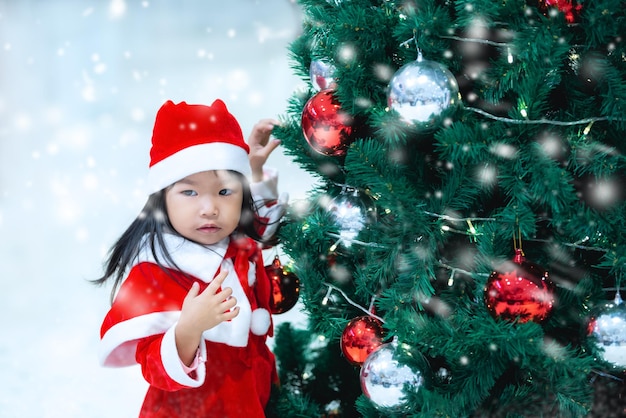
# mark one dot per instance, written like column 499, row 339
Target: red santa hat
column 188, row 139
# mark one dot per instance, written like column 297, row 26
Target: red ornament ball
column 326, row 127
column 520, row 291
column 570, row 8
column 361, row 336
column 285, row 287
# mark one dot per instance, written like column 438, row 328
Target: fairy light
column 327, row 296
column 451, row 278
column 472, row 230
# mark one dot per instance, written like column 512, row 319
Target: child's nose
column 208, row 208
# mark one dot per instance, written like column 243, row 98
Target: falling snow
column 79, row 88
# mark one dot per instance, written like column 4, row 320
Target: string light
column 351, row 241
column 350, row 301
column 454, row 270
column 475, row 40
column 543, row 121
column 454, row 219
column 471, row 231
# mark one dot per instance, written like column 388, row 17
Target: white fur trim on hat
column 260, row 321
column 195, row 159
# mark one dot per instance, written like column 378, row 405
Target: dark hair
column 153, row 221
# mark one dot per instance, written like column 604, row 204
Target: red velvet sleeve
column 149, row 357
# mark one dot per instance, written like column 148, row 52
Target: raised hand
column 261, row 146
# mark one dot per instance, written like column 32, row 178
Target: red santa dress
column 236, row 367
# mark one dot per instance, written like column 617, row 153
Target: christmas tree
column 462, row 251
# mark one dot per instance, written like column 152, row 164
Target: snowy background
column 80, row 84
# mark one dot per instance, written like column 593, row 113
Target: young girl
column 190, row 294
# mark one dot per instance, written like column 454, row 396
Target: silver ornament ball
column 351, row 214
column 608, row 325
column 383, row 378
column 421, row 90
column 322, row 75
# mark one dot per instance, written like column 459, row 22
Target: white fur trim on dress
column 173, row 365
column 119, row 343
column 202, row 262
column 260, row 322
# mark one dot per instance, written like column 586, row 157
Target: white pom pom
column 260, row 322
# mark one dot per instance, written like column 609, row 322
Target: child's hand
column 203, row 311
column 261, row 147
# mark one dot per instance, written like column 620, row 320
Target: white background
column 80, row 83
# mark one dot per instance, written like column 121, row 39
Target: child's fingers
column 228, row 303
column 224, row 293
column 227, row 316
column 266, row 125
column 262, row 130
column 216, row 283
column 193, row 291
column 272, row 145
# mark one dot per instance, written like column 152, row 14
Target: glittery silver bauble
column 384, row 376
column 322, row 75
column 352, row 213
column 421, row 90
column 608, row 325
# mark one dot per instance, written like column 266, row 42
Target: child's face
column 205, row 207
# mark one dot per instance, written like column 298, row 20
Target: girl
column 190, row 295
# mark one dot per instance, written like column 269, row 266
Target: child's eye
column 225, row 192
column 189, row 192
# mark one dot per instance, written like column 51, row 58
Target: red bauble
column 285, row 287
column 361, row 336
column 519, row 290
column 326, row 127
column 570, row 8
